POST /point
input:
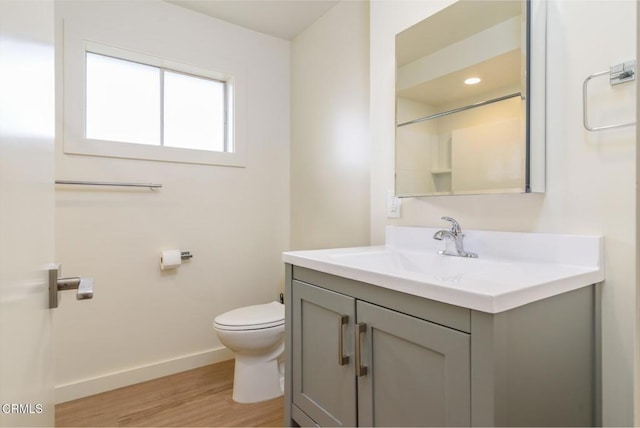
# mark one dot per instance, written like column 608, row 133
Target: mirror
column 470, row 100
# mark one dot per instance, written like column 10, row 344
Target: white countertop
column 513, row 269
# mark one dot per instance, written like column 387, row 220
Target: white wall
column 590, row 176
column 330, row 130
column 142, row 322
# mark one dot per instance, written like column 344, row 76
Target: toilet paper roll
column 170, row 259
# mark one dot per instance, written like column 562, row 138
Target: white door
column 26, row 211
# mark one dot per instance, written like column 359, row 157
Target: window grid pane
column 193, row 112
column 123, row 100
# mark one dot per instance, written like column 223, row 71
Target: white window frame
column 74, row 138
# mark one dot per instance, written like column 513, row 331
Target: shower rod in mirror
column 459, row 109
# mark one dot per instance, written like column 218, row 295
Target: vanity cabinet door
column 324, row 383
column 417, row 372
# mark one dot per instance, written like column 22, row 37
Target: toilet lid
column 252, row 317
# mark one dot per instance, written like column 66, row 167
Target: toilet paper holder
column 172, row 259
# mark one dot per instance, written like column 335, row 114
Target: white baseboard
column 108, row 382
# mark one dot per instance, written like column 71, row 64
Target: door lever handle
column 83, row 285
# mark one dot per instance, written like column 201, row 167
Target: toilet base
column 255, row 381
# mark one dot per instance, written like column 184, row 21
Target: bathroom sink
column 411, row 262
column 512, row 269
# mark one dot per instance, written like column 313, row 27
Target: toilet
column 255, row 334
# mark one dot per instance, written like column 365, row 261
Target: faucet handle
column 455, row 226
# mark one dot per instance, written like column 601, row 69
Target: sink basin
column 512, row 269
column 411, row 262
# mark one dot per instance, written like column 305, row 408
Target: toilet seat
column 256, row 317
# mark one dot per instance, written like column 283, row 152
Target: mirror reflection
column 461, row 110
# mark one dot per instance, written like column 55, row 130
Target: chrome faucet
column 453, row 239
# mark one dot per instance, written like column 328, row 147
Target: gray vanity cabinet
column 357, row 363
column 363, row 355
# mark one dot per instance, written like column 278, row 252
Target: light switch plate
column 394, row 205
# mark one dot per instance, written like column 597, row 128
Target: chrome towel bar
column 150, row 186
column 619, row 73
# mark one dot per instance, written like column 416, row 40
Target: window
column 137, row 103
column 121, row 103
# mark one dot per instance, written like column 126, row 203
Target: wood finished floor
column 195, row 398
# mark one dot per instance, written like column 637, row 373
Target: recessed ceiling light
column 472, row 80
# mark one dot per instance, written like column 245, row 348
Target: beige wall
column 330, row 130
column 590, row 176
column 142, row 322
